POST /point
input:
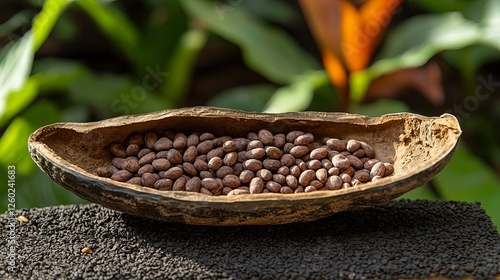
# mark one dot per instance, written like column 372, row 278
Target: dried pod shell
column 417, row 147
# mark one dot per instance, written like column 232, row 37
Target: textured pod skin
column 418, row 146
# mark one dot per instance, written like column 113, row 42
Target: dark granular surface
column 401, row 239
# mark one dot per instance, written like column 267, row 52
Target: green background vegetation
column 86, row 60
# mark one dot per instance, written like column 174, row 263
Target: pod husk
column 418, row 146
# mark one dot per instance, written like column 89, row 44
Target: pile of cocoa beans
column 262, row 162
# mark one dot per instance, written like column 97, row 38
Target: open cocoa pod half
column 417, row 146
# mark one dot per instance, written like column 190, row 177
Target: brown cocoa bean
column 205, row 146
column 131, row 164
column 149, row 179
column 286, row 190
column 256, row 185
column 319, row 153
column 200, row 165
column 284, row 170
column 326, row 163
column 264, row 174
column 143, row 152
column 271, row 164
column 189, row 169
column 164, row 185
column 223, row 171
column 273, row 152
column 104, row 172
column 369, row 151
column 193, row 140
column 118, row 162
column 355, row 162
column 292, row 135
column 162, row 154
column 205, row 191
column 231, row 181
column 295, row 171
column 359, row 153
column 132, row 150
column 147, row 159
column 273, row 186
column 173, row 173
column 279, row 140
column 333, row 171
column 180, row 184
column 237, row 169
column 280, row 179
column 117, row 150
column 136, row 139
column 346, row 178
column 180, row 141
column 287, row 160
column 206, row 136
column 306, row 177
column 190, row 154
column 292, row 181
column 310, row 189
column 340, row 161
column 389, row 169
column 322, row 175
column 252, row 136
column 256, row 153
column 206, row 174
column 352, row 145
column 254, row 144
column 230, row 158
column 146, row 168
column 333, row 183
column 209, row 183
column 370, row 163
column 193, row 184
column 377, row 170
column 135, row 181
column 299, row 151
column 266, row 137
column 174, row 156
column 299, row 190
column 161, row 164
column 288, row 147
column 229, row 146
column 215, row 163
column 336, row 144
column 246, row 176
column 163, row 144
column 304, row 139
column 252, row 164
column 217, row 152
column 362, row 175
column 314, row 164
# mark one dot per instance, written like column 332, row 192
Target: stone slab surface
column 401, row 239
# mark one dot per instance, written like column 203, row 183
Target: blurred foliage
column 158, row 56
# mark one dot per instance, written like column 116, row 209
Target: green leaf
column 16, row 60
column 166, row 24
column 491, row 22
column 467, row 178
column 298, row 95
column 266, row 49
column 18, row 100
column 182, row 63
column 16, row 21
column 276, row 11
column 444, row 5
column 13, row 142
column 44, row 22
column 115, row 26
column 251, row 98
column 57, row 75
